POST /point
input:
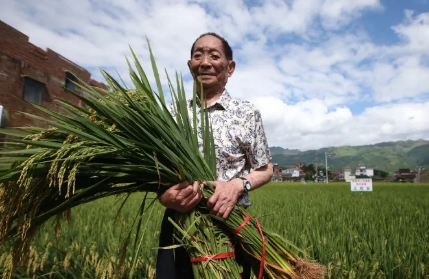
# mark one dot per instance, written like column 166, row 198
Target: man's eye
column 197, row 55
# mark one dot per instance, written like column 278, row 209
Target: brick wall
column 18, row 59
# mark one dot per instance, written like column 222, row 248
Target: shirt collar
column 222, row 102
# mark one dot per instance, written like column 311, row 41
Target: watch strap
column 245, row 181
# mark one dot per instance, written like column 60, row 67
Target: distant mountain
column 280, row 151
column 387, row 156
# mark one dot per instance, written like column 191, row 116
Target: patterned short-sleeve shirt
column 239, row 136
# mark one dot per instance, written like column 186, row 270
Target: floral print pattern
column 239, row 136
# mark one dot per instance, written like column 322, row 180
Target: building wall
column 19, row 59
column 370, row 172
column 364, row 171
column 295, row 173
column 347, row 175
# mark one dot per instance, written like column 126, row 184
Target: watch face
column 247, row 185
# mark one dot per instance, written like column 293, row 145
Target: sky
column 322, row 72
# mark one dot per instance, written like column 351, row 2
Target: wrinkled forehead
column 209, row 43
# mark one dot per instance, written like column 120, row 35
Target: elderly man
column 242, row 153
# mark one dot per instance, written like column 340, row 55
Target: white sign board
column 361, row 184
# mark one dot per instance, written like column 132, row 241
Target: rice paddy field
column 379, row 234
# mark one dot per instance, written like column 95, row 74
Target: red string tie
column 239, row 228
column 213, row 257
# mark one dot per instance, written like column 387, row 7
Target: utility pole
column 326, row 164
column 316, row 174
column 420, row 170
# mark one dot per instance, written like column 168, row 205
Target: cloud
column 298, row 61
column 414, row 34
column 337, row 13
column 311, row 125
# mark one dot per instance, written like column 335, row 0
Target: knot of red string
column 213, row 257
column 240, row 227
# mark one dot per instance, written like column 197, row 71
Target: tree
column 310, row 171
column 381, row 173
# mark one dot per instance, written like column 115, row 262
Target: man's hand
column 225, row 197
column 181, row 197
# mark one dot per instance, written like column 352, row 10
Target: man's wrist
column 243, row 185
column 246, row 184
column 239, row 184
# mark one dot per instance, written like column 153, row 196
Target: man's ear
column 190, row 69
column 231, row 67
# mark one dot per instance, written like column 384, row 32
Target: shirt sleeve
column 259, row 153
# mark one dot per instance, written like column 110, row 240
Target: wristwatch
column 246, row 184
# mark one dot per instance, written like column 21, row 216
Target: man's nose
column 206, row 61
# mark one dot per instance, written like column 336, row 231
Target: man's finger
column 185, row 195
column 191, row 202
column 196, row 186
column 220, row 203
column 183, row 184
column 186, row 192
column 223, row 210
column 213, row 200
column 195, row 200
column 227, row 212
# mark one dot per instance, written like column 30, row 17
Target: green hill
column 388, row 156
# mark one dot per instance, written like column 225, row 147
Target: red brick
column 19, row 57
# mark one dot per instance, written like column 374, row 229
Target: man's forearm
column 261, row 176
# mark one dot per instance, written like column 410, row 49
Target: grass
column 382, row 234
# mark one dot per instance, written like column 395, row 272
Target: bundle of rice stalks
column 210, row 248
column 120, row 142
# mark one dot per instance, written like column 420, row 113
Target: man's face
column 209, row 63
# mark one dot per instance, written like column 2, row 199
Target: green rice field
column 379, row 234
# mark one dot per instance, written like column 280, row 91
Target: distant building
column 300, row 165
column 277, row 173
column 341, row 174
column 348, row 175
column 29, row 74
column 293, row 172
column 406, row 175
column 337, row 174
column 364, row 171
